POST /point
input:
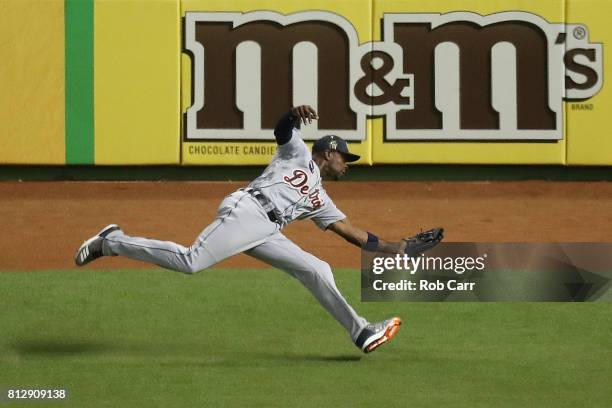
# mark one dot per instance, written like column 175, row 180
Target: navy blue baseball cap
column 333, row 142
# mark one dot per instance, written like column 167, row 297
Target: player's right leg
column 91, row 249
column 240, row 224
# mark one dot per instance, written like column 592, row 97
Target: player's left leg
column 315, row 274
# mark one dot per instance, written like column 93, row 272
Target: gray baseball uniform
column 250, row 220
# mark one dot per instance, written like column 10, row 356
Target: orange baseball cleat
column 376, row 334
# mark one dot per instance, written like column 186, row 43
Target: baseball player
column 251, row 220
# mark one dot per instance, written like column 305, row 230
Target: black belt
column 265, row 203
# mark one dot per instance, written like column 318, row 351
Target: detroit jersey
column 292, row 182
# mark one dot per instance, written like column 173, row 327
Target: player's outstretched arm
column 411, row 246
column 291, row 119
column 364, row 239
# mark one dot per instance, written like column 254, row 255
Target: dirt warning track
column 43, row 223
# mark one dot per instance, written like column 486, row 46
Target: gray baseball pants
column 242, row 225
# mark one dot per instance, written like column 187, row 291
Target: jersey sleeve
column 326, row 215
column 294, row 148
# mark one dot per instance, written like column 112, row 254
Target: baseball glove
column 423, row 241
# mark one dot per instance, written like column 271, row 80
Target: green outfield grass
column 258, row 339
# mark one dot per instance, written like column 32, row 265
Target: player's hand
column 305, row 112
column 422, row 241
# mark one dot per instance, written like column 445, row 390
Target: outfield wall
column 201, row 82
column 89, row 82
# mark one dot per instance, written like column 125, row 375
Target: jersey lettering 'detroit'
column 292, row 182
